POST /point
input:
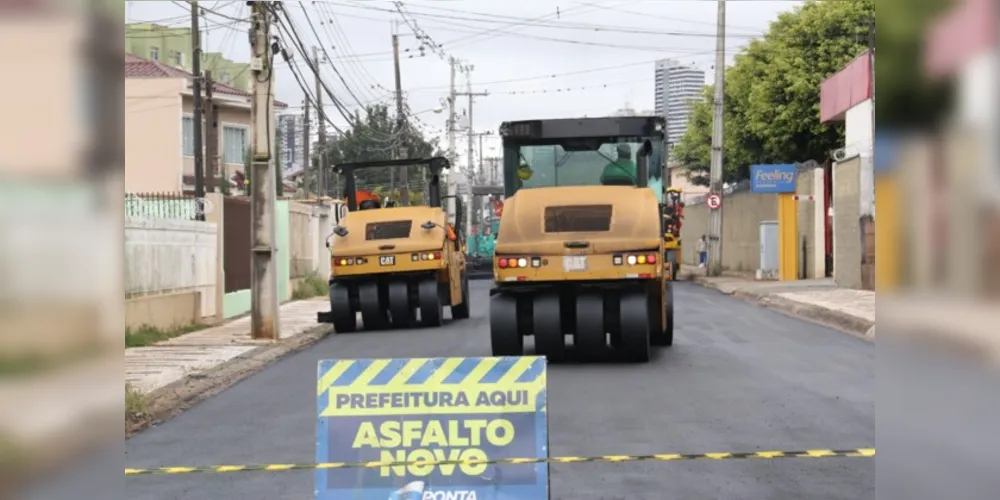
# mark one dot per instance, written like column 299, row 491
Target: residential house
column 159, row 127
column 172, row 46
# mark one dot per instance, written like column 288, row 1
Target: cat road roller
column 580, row 245
column 389, row 263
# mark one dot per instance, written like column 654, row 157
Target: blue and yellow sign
column 403, row 413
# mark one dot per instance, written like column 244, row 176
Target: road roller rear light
column 522, row 262
column 437, row 255
column 651, row 258
column 536, row 262
column 502, row 263
column 618, row 260
column 415, row 257
column 631, row 259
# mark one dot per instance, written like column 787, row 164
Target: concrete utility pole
column 264, row 318
column 401, row 150
column 305, row 150
column 211, row 136
column 452, row 155
column 470, row 135
column 199, row 151
column 323, row 183
column 716, row 173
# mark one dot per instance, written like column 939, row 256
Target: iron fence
column 173, row 206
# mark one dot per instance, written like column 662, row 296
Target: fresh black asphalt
column 738, row 378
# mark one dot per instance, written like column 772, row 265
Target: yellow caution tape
column 767, row 455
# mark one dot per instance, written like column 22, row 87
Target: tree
column 374, row 137
column 772, row 91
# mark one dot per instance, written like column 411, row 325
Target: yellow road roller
column 580, row 245
column 396, row 265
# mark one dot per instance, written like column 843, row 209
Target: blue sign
column 465, row 412
column 773, row 178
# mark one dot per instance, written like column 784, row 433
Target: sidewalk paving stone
column 157, row 366
column 819, row 300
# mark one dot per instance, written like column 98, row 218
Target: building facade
column 291, row 130
column 172, row 46
column 676, row 86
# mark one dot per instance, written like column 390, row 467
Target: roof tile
column 137, row 67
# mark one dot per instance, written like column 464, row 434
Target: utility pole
column 322, row 182
column 716, row 173
column 401, row 151
column 211, row 136
column 264, row 319
column 470, row 135
column 305, row 150
column 452, row 156
column 199, row 151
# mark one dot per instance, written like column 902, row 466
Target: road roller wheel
column 402, row 313
column 668, row 330
column 661, row 332
column 549, row 339
column 462, row 311
column 431, row 308
column 635, row 326
column 590, row 339
column 373, row 312
column 505, row 336
column 345, row 320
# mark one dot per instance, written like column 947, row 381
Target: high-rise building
column 676, row 86
column 290, row 135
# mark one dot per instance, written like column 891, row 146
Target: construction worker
column 524, row 173
column 621, row 172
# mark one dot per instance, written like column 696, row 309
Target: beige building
column 679, row 179
column 159, row 127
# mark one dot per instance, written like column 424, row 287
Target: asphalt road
column 739, row 378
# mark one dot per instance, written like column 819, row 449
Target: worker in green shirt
column 621, row 172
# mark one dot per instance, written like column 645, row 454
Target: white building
column 291, row 130
column 676, row 86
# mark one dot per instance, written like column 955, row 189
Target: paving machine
column 482, row 237
column 673, row 220
column 389, row 262
column 581, row 239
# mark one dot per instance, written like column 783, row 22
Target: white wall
column 163, row 256
column 858, row 142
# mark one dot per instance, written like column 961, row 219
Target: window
column 187, row 135
column 226, row 79
column 154, row 53
column 179, row 58
column 234, row 144
column 391, row 230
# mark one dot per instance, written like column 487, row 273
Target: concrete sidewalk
column 819, row 301
column 151, row 368
column 967, row 326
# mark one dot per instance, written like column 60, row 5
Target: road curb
column 173, row 399
column 847, row 323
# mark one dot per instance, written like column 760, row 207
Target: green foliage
column 310, row 286
column 148, row 335
column 374, row 136
column 906, row 98
column 772, row 91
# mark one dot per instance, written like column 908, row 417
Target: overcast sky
column 544, row 45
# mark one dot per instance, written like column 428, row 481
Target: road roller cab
column 580, row 244
column 388, row 262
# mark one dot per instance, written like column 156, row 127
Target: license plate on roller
column 574, row 263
